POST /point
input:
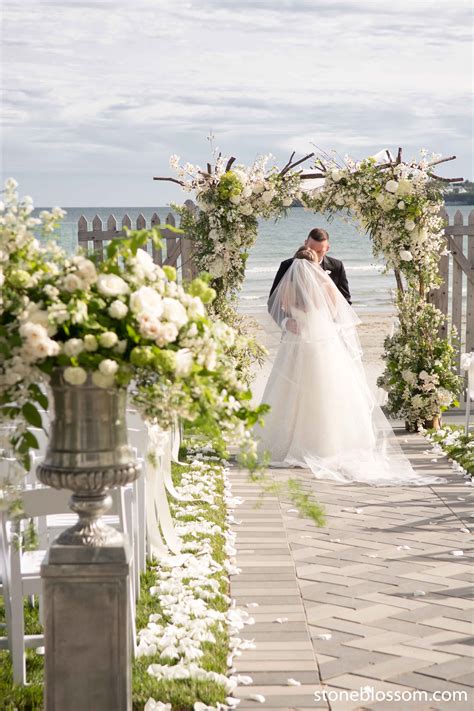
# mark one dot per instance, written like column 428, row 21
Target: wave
column 251, row 298
column 262, row 270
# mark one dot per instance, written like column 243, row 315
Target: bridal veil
column 323, row 415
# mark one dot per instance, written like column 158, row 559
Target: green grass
column 457, row 445
column 181, row 694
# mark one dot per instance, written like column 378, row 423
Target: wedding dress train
column 323, row 415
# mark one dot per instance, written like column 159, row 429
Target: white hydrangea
column 75, row 375
column 108, row 366
column 117, row 309
column 109, row 339
column 73, row 347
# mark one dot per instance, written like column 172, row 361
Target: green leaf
column 30, row 440
column 39, row 396
column 31, row 414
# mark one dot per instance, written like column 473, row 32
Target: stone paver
column 380, row 598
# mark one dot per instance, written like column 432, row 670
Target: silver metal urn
column 88, row 453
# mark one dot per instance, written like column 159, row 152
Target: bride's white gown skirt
column 324, row 417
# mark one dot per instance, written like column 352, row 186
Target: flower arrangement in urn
column 120, row 322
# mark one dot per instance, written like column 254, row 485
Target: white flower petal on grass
column 152, row 705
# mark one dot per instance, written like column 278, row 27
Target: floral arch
column 396, row 202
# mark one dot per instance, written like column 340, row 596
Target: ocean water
column 372, row 291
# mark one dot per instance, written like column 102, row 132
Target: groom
column 318, row 242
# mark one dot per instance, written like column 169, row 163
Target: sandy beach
column 372, row 332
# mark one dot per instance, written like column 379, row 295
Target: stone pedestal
column 87, row 628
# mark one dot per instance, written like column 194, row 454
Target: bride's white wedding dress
column 323, row 415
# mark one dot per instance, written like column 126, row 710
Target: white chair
column 20, row 570
column 467, row 364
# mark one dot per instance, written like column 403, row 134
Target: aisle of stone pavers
column 380, row 598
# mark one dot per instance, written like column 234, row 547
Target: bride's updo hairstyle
column 306, row 253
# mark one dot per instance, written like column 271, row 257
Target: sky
column 96, row 95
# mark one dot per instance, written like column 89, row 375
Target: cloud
column 111, row 89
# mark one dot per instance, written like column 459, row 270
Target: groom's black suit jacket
column 329, row 264
column 335, row 269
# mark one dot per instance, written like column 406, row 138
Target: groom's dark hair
column 318, row 234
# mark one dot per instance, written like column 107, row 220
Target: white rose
column 420, row 236
column 34, row 314
column 268, row 196
column 391, row 186
column 196, row 308
column 409, row 225
column 90, row 343
column 75, row 376
column 246, row 209
column 2, row 278
column 213, row 234
column 216, row 268
column 288, row 201
column 117, row 309
column 108, row 367
column 184, row 362
column 121, row 346
column 87, row 270
column 73, row 283
column 401, row 205
column 409, row 377
column 406, row 256
column 101, row 380
column 167, row 333
column 33, row 332
column 235, row 199
column 247, row 191
column 146, row 299
column 112, row 285
column 405, row 187
column 73, row 347
column 174, row 311
column 339, row 200
column 258, row 187
column 336, row 175
column 417, row 402
column 148, row 325
column 445, row 398
column 108, row 339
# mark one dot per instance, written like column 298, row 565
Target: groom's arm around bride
column 318, row 242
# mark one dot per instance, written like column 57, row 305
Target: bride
column 323, row 415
